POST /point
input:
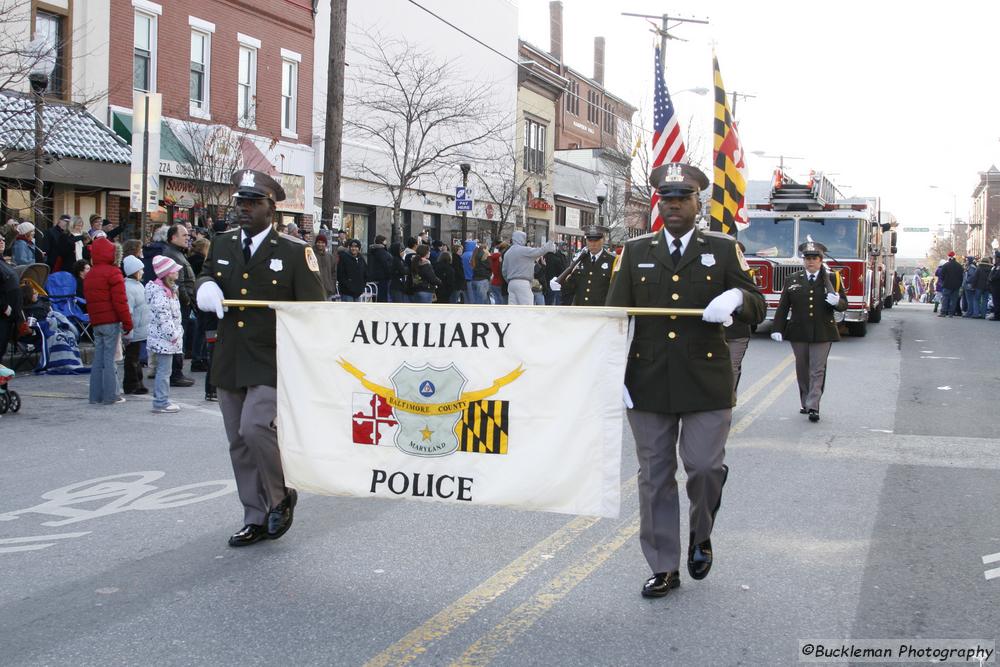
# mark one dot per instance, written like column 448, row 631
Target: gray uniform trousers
column 810, row 370
column 703, row 450
column 248, row 415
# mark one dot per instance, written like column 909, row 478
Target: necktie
column 247, row 242
column 593, row 259
column 676, row 254
column 812, row 280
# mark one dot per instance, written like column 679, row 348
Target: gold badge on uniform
column 311, row 260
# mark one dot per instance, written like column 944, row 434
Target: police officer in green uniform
column 590, row 278
column 679, row 372
column 812, row 295
column 254, row 262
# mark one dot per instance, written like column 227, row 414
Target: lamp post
column 601, row 191
column 466, row 168
column 43, row 62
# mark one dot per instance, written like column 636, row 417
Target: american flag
column 668, row 146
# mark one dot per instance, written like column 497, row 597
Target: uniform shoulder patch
column 311, row 260
column 742, row 259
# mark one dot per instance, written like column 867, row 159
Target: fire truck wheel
column 858, row 329
column 889, row 302
column 875, row 316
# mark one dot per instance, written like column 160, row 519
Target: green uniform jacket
column 588, row 283
column 681, row 364
column 244, row 353
column 811, row 320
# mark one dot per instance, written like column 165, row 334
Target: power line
column 519, row 64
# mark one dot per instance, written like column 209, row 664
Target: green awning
column 170, row 146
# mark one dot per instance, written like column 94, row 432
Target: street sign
column 916, row 229
column 463, row 199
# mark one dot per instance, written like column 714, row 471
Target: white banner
column 486, row 405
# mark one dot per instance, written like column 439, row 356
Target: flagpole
column 638, row 312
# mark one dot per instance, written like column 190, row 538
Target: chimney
column 556, row 29
column 599, row 60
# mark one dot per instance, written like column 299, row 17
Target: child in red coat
column 107, row 306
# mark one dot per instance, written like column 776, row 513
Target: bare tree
column 20, row 142
column 506, row 185
column 213, row 153
column 416, row 115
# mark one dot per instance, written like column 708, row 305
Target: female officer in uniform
column 812, row 295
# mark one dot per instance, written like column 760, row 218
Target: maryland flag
column 484, row 427
column 729, row 184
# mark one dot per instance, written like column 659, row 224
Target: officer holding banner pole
column 679, row 372
column 255, row 262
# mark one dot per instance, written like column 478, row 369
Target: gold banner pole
column 687, row 312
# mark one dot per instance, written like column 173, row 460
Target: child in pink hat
column 166, row 333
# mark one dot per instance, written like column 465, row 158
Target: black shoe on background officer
column 254, row 262
column 679, row 371
column 811, row 296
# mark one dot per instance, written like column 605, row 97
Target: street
column 880, row 521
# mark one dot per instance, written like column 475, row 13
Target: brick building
column 984, row 223
column 236, row 83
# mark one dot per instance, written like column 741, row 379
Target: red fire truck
column 859, row 239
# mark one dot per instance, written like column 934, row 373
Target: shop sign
column 180, row 193
column 295, row 194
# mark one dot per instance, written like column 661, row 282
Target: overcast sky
column 888, row 99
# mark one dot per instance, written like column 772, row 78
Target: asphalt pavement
column 880, row 521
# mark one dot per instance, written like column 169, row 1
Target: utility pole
column 737, row 95
column 664, row 30
column 333, row 145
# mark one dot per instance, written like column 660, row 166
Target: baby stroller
column 9, row 399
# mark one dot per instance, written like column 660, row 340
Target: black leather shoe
column 182, row 382
column 212, row 396
column 249, row 534
column 699, row 559
column 279, row 520
column 814, row 415
column 660, row 584
column 803, row 411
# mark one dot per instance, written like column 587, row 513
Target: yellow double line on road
column 482, row 652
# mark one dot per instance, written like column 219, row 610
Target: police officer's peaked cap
column 812, row 248
column 677, row 179
column 252, row 184
column 594, row 232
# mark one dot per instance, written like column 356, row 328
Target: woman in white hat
column 25, row 251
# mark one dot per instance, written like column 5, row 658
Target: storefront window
column 17, row 204
column 355, row 225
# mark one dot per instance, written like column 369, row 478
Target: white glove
column 832, row 298
column 627, row 398
column 209, row 298
column 776, row 337
column 7, row 311
column 554, row 285
column 721, row 307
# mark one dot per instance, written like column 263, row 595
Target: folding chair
column 61, row 287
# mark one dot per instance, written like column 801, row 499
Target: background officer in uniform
column 254, row 262
column 590, row 275
column 812, row 295
column 679, row 371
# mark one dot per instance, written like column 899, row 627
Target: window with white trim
column 289, row 95
column 246, row 92
column 201, row 49
column 144, row 53
column 534, row 146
